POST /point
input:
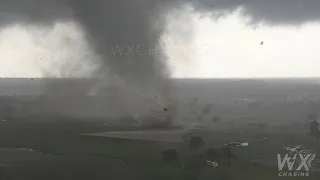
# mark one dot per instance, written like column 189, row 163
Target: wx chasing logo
column 299, row 161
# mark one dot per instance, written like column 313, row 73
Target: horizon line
column 199, row 78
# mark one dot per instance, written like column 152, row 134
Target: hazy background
column 137, row 47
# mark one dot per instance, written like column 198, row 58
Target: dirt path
column 162, row 136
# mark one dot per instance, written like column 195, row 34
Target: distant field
column 272, row 101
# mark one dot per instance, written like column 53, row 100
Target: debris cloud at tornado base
column 132, row 26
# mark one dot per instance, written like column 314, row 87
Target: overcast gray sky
column 277, row 11
column 209, row 38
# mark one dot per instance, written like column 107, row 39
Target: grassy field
column 64, row 138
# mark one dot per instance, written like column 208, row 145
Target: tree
column 313, row 117
column 228, row 153
column 207, row 109
column 196, row 142
column 216, row 119
column 170, row 155
column 314, row 129
column 220, row 154
column 213, row 154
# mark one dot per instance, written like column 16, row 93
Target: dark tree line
column 314, row 126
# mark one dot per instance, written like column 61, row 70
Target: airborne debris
column 244, row 144
column 27, row 149
column 212, row 164
column 237, row 144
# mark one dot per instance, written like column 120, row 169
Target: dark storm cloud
column 272, row 11
column 32, row 11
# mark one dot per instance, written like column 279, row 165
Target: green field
column 258, row 161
